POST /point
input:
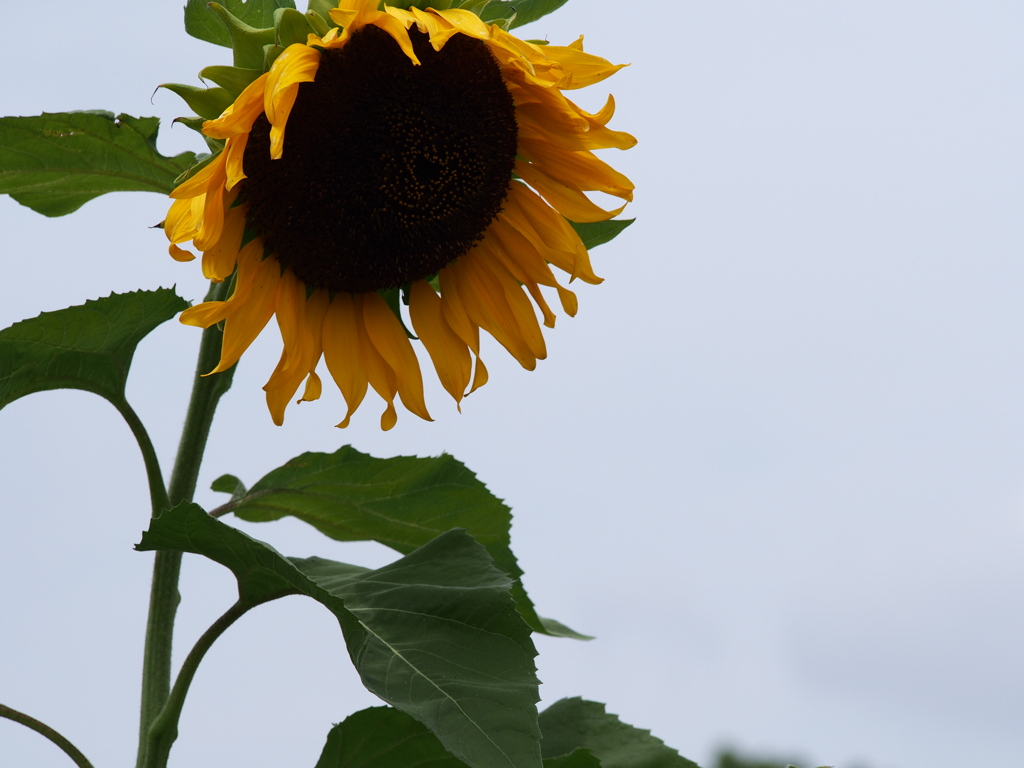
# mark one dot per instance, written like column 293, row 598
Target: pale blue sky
column 774, row 464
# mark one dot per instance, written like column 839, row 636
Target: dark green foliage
column 430, row 634
column 575, row 723
column 56, row 162
column 401, row 502
column 87, row 347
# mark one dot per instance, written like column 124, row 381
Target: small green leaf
column 229, row 484
column 401, row 502
column 203, row 23
column 383, row 737
column 435, row 634
column 86, row 347
column 56, row 162
column 525, row 10
column 600, row 232
column 571, row 724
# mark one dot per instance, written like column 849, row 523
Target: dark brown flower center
column 390, row 171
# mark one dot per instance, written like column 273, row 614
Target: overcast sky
column 774, row 464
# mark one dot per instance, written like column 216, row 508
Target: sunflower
column 420, row 154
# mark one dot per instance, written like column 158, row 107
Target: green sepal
column 290, row 27
column 233, row 79
column 208, row 103
column 247, row 42
column 572, row 724
column 435, row 634
column 323, row 8
column 401, row 502
column 87, row 347
column 270, row 54
column 318, row 23
column 56, row 162
column 519, row 12
column 204, row 22
column 597, row 233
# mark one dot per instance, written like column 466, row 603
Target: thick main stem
column 164, row 597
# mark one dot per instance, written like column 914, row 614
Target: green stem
column 157, row 489
column 41, row 728
column 164, row 597
column 164, row 729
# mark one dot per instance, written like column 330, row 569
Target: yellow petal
column 301, row 322
column 583, row 169
column 466, row 22
column 582, row 69
column 342, row 352
column 202, row 181
column 447, row 351
column 567, row 199
column 242, row 326
column 180, row 254
column 239, row 117
column 550, row 232
column 389, row 338
column 219, row 261
column 296, row 65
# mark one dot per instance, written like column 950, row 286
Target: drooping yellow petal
column 239, row 117
column 296, row 65
column 506, row 315
column 567, row 199
column 242, row 326
column 234, row 153
column 301, row 322
column 466, row 22
column 583, row 69
column 583, row 169
column 219, row 260
column 447, row 351
column 382, row 377
column 388, row 337
column 549, row 232
column 343, row 354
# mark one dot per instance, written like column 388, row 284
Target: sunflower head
column 379, row 171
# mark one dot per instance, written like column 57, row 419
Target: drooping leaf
column 202, row 23
column 56, row 162
column 401, row 502
column 86, row 347
column 435, row 634
column 525, row 10
column 383, row 737
column 597, row 233
column 575, row 723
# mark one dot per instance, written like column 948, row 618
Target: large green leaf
column 402, row 502
column 525, row 10
column 571, row 724
column 435, row 634
column 597, row 233
column 202, row 23
column 382, row 737
column 56, row 162
column 86, row 347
